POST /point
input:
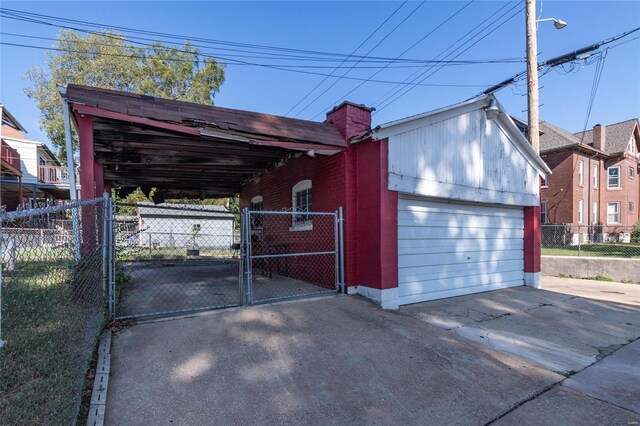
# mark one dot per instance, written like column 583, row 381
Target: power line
column 401, row 91
column 398, row 57
column 347, row 58
column 261, row 65
column 370, row 50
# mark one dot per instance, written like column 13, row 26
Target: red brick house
column 421, row 221
column 421, row 225
column 594, row 180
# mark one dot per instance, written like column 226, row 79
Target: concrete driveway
column 344, row 361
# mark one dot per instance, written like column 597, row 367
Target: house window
column 580, row 205
column 631, row 206
column 631, row 147
column 595, row 175
column 580, row 172
column 631, row 172
column 302, row 205
column 594, row 213
column 613, row 212
column 257, row 219
column 543, row 212
column 543, row 182
column 614, row 177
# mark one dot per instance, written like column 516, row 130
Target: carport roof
column 188, row 149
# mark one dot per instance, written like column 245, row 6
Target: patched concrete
column 332, row 361
column 614, row 379
column 628, row 294
column 562, row 406
column 563, row 333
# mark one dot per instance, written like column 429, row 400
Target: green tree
column 108, row 61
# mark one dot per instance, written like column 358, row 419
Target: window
column 543, row 182
column 631, row 147
column 595, row 175
column 631, row 206
column 594, row 213
column 543, row 212
column 613, row 212
column 631, row 172
column 257, row 219
column 580, row 172
column 301, row 192
column 614, row 177
column 580, row 205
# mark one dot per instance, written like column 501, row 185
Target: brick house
column 594, row 180
column 421, row 222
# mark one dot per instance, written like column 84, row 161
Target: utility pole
column 532, row 75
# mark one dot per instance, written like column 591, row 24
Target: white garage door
column 451, row 249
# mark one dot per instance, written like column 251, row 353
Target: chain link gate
column 290, row 255
column 174, row 258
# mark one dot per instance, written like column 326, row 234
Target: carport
column 185, row 151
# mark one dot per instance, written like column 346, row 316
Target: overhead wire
column 401, row 91
column 370, row 50
column 400, row 55
column 346, row 59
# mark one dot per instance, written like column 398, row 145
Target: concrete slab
column 561, row 406
column 601, row 290
column 332, row 361
column 560, row 332
column 165, row 286
column 615, row 379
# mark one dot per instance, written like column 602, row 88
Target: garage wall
column 462, row 156
column 450, row 249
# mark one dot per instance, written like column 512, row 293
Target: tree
column 108, row 61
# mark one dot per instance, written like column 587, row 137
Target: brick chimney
column 599, row 137
column 350, row 119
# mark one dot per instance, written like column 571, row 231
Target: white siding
column 28, row 159
column 462, row 157
column 447, row 249
column 177, row 232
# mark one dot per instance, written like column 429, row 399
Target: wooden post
column 532, row 75
column 87, row 182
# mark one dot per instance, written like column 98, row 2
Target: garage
column 449, row 249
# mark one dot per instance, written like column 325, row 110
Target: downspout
column 73, row 194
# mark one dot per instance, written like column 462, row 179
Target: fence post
column 579, row 240
column 105, row 258
column 336, row 238
column 112, row 262
column 247, row 230
column 341, row 235
column 2, row 342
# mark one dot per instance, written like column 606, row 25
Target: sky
column 341, row 27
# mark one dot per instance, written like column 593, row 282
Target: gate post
column 341, row 237
column 111, row 259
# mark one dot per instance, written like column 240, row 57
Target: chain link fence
column 291, row 254
column 53, row 278
column 592, row 240
column 175, row 258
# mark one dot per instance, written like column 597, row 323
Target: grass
column 598, row 250
column 52, row 314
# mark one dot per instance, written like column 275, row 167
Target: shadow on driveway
column 329, row 361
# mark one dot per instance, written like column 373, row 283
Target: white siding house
column 185, row 226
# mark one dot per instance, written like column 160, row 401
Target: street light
column 558, row 23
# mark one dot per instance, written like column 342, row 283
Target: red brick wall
column 560, row 205
column 564, row 190
column 377, row 225
column 327, row 175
